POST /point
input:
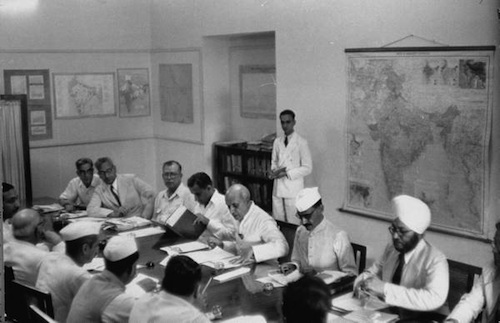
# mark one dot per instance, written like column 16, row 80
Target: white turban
column 79, row 229
column 306, row 198
column 119, row 247
column 414, row 213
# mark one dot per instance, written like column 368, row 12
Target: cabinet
column 245, row 164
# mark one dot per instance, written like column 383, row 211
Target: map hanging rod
column 412, row 38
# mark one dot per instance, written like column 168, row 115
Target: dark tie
column 286, row 141
column 396, row 279
column 115, row 195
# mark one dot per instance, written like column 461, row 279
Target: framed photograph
column 83, row 95
column 258, row 91
column 133, row 92
column 40, row 122
column 179, row 75
column 418, row 123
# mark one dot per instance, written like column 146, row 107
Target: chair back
column 359, row 256
column 461, row 280
column 33, row 296
column 38, row 316
column 288, row 230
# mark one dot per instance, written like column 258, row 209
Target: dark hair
column 182, row 276
column 172, row 162
column 287, row 112
column 74, row 247
column 103, row 160
column 122, row 266
column 6, row 187
column 306, row 300
column 83, row 161
column 201, row 179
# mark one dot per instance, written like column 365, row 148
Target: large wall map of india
column 418, row 124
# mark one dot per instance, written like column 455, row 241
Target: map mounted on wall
column 419, row 124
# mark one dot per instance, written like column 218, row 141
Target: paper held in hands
column 182, row 223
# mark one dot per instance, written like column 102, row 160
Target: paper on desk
column 365, row 315
column 348, row 303
column 96, row 264
column 232, row 274
column 246, row 319
column 54, row 207
column 329, row 276
column 133, row 288
column 145, row 232
column 211, row 257
column 74, row 214
column 265, row 280
column 185, row 247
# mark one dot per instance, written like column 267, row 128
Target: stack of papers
column 74, row 214
column 145, row 232
column 124, row 224
column 348, row 303
column 55, row 207
column 185, row 247
column 215, row 258
column 363, row 316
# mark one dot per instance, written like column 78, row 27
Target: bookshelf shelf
column 239, row 163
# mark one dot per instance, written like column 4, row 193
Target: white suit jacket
column 296, row 157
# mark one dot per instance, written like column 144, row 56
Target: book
column 182, row 223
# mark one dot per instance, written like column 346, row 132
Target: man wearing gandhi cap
column 103, row 298
column 62, row 274
column 411, row 274
column 319, row 244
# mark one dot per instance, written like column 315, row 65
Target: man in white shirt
column 319, row 244
column 485, row 294
column 61, row 274
column 80, row 189
column 411, row 274
column 290, row 163
column 175, row 302
column 258, row 238
column 211, row 208
column 176, row 194
column 125, row 194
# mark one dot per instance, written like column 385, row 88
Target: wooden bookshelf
column 239, row 162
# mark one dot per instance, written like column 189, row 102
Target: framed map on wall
column 418, row 123
column 81, row 95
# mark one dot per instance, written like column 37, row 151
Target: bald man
column 21, row 253
column 411, row 274
column 259, row 238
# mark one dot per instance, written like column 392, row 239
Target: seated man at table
column 62, row 274
column 411, row 274
column 10, row 207
column 126, row 194
column 22, row 253
column 485, row 294
column 306, row 300
column 103, row 297
column 80, row 189
column 319, row 244
column 258, row 238
column 176, row 194
column 211, row 208
column 175, row 302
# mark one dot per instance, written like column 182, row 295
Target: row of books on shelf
column 260, row 193
column 234, row 163
column 255, row 165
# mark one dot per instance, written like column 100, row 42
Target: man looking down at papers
column 211, row 208
column 258, row 238
column 125, row 194
column 319, row 245
column 176, row 194
column 411, row 274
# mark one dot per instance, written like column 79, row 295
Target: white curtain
column 11, row 147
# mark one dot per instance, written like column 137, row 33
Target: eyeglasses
column 398, row 231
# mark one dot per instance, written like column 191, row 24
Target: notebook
column 182, row 223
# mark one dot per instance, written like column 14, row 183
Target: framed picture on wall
column 258, row 91
column 133, row 92
column 83, row 95
column 40, row 122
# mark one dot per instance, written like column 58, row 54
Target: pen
column 206, row 286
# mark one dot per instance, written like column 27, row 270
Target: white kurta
column 77, row 193
column 324, row 248
column 484, row 294
column 165, row 307
column 60, row 276
column 261, row 230
column 165, row 206
column 25, row 259
column 221, row 223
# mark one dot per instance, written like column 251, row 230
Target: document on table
column 145, row 232
column 185, row 247
column 329, row 276
column 347, row 303
column 134, row 287
column 365, row 315
column 216, row 257
column 245, row 319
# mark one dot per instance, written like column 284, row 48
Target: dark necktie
column 396, row 279
column 286, row 141
column 115, row 195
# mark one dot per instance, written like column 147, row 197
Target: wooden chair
column 38, row 316
column 30, row 295
column 461, row 280
column 359, row 256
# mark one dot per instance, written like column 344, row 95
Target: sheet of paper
column 329, row 276
column 89, row 219
column 133, row 288
column 165, row 260
column 265, row 280
column 213, row 255
column 232, row 274
column 365, row 315
column 96, row 264
column 145, row 232
column 185, row 247
column 245, row 319
column 348, row 303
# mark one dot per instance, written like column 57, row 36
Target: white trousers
column 284, row 210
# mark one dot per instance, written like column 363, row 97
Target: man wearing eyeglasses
column 80, row 189
column 176, row 194
column 485, row 294
column 411, row 274
column 319, row 244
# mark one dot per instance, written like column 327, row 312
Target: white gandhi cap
column 79, row 229
column 414, row 213
column 119, row 248
column 306, row 198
